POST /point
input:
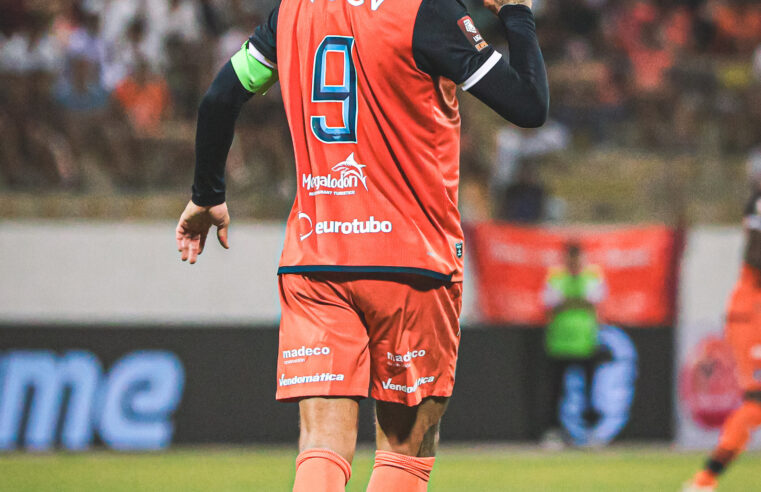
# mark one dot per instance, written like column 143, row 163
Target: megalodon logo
column 350, row 176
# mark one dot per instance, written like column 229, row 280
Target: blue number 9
column 345, row 93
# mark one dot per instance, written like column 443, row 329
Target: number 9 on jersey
column 344, row 93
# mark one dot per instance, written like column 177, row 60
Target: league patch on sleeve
column 471, row 32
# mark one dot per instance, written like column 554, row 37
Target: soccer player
column 743, row 332
column 371, row 273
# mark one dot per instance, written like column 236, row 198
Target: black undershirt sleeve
column 217, row 114
column 265, row 36
column 518, row 91
column 447, row 44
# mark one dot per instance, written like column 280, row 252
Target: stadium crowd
column 102, row 94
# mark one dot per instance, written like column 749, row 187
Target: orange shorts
column 342, row 334
column 743, row 330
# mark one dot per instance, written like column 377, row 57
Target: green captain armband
column 254, row 75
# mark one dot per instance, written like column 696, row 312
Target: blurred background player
column 743, row 332
column 371, row 272
column 572, row 294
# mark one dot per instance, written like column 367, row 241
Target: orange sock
column 394, row 472
column 321, row 470
column 738, row 428
column 704, row 478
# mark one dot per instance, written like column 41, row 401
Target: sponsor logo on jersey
column 388, row 385
column 370, row 226
column 325, row 377
column 398, row 359
column 310, row 228
column 458, row 249
column 471, row 32
column 299, row 355
column 344, row 180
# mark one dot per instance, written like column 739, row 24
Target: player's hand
column 495, row 5
column 194, row 227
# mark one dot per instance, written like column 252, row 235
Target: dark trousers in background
column 558, row 368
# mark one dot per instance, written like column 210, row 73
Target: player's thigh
column 413, row 431
column 414, row 330
column 323, row 341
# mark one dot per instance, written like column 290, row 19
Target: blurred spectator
column 144, row 98
column 182, row 21
column 572, row 294
column 757, row 63
column 124, row 55
column 80, row 90
column 31, row 48
column 523, row 201
column 519, row 196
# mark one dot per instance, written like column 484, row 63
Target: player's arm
column 252, row 70
column 447, row 44
column 517, row 90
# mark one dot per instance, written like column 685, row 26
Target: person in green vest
column 572, row 293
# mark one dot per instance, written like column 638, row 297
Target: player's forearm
column 217, row 114
column 518, row 91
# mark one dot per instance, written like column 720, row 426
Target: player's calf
column 735, row 435
column 407, row 438
column 327, row 442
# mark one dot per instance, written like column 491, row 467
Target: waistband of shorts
column 304, row 269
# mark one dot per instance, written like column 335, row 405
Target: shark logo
column 350, row 176
column 351, row 168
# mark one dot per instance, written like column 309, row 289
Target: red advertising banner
column 639, row 264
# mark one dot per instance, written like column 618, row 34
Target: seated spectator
column 523, row 201
column 80, row 89
column 182, row 21
column 31, row 48
column 144, row 98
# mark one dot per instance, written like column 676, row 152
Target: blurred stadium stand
column 654, row 104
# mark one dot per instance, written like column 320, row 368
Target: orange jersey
column 376, row 138
column 743, row 328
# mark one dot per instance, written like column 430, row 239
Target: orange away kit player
column 743, row 332
column 372, row 267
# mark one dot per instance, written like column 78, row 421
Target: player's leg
column 413, row 324
column 407, row 438
column 744, row 335
column 735, row 435
column 323, row 363
column 328, row 437
column 559, row 367
column 590, row 414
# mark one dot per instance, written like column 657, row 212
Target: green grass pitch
column 457, row 469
